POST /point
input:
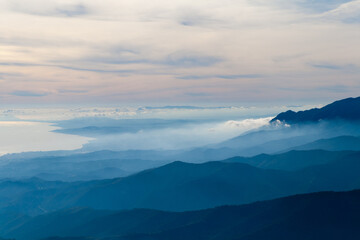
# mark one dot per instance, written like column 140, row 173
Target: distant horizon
column 283, row 102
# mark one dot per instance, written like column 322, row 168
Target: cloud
column 190, row 18
column 28, row 94
column 49, row 8
column 236, row 76
column 327, row 66
column 321, row 5
column 68, row 67
column 334, row 66
column 186, row 108
column 72, row 10
column 309, row 6
column 348, row 12
column 72, row 91
column 198, row 94
column 9, row 74
column 338, row 88
column 190, row 59
column 136, row 51
column 239, row 76
column 178, row 137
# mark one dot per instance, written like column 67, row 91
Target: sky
column 178, row 51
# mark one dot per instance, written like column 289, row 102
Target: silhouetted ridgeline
column 326, row 215
column 184, row 186
column 346, row 109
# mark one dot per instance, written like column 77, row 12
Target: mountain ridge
column 345, row 109
column 322, row 215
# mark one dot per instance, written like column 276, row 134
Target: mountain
column 280, row 138
column 341, row 143
column 177, row 186
column 292, row 160
column 346, row 109
column 184, row 186
column 325, row 215
column 76, row 167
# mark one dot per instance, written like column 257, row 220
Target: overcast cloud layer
column 59, row 51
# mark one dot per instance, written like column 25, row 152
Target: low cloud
column 188, row 136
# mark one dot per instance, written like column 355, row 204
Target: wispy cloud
column 327, row 66
column 142, row 51
column 191, row 59
column 331, row 66
column 54, row 9
column 72, row 91
column 236, row 76
column 321, row 5
column 198, row 94
column 348, row 12
column 28, row 94
column 72, row 10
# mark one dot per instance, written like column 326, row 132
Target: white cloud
column 348, row 12
column 188, row 136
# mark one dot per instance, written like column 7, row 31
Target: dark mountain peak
column 346, row 109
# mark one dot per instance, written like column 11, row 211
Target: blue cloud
column 186, row 107
column 118, row 55
column 335, row 88
column 237, row 76
column 192, row 77
column 72, row 11
column 57, row 10
column 198, row 94
column 128, row 55
column 19, row 64
column 326, row 66
column 28, row 94
column 6, row 74
column 321, row 5
column 183, row 59
column 92, row 69
column 331, row 66
column 330, row 88
column 72, row 91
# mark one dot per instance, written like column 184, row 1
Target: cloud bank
column 176, row 138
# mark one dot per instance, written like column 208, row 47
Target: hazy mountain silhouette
column 76, row 167
column 183, row 186
column 292, row 160
column 342, row 143
column 346, row 109
column 325, row 215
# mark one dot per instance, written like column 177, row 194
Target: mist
column 186, row 136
